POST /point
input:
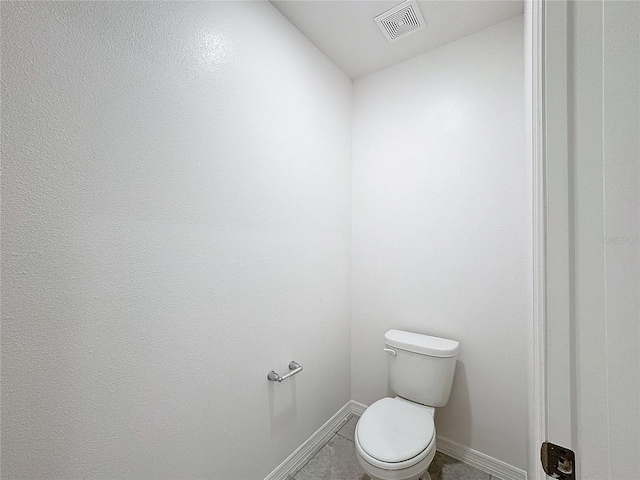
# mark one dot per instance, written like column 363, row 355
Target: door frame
column 550, row 408
column 535, row 16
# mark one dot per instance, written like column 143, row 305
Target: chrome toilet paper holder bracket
column 294, row 368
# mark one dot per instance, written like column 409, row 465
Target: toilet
column 396, row 437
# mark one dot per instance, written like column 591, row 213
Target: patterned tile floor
column 336, row 460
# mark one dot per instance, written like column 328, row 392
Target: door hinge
column 557, row 461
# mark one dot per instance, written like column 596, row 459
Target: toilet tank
column 423, row 366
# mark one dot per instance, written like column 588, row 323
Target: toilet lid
column 393, row 430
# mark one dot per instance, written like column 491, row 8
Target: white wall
column 604, row 157
column 176, row 222
column 442, row 228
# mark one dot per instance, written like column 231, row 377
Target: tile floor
column 336, row 460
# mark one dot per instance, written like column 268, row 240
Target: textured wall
column 176, row 222
column 442, row 228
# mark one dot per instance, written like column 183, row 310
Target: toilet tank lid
column 423, row 344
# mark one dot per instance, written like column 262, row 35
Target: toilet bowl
column 395, row 438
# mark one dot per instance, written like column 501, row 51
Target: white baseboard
column 495, row 467
column 357, row 408
column 313, row 444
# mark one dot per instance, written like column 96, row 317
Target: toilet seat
column 395, row 434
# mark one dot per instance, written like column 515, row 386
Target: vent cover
column 400, row 21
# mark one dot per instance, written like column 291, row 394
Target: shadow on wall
column 283, row 405
column 460, row 403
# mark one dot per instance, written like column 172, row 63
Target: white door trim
column 538, row 332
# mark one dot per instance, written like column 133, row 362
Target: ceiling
column 345, row 30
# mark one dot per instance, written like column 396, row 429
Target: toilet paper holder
column 294, row 368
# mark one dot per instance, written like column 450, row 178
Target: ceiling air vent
column 400, row 21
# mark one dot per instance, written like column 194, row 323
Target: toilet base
column 415, row 472
column 423, row 476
